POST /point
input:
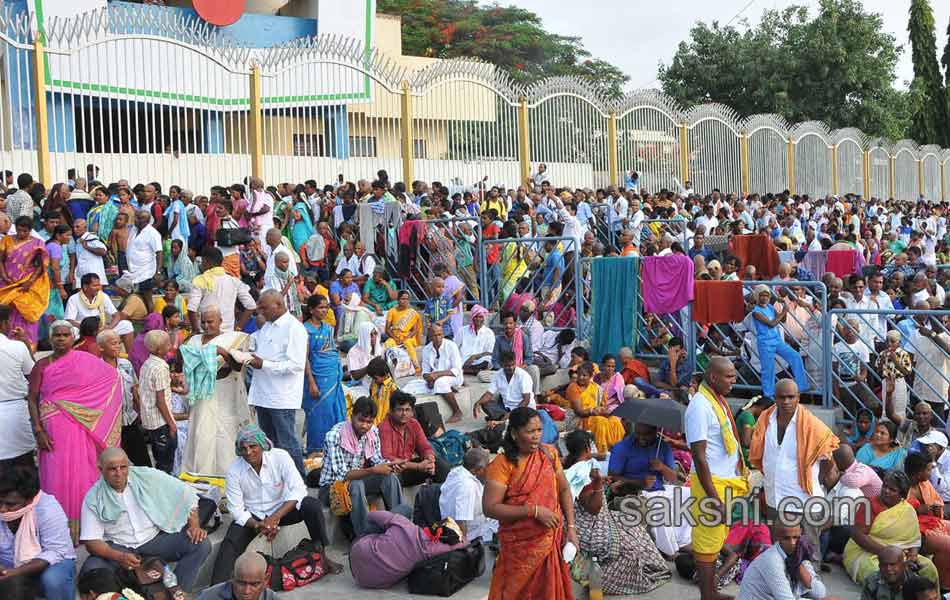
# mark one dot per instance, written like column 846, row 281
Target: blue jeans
column 56, row 582
column 278, row 425
column 767, row 352
column 647, row 388
column 171, row 548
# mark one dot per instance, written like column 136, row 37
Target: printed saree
column 21, row 262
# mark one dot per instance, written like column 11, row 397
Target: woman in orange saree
column 24, row 277
column 75, row 402
column 934, row 529
column 526, row 491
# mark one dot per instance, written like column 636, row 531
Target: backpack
column 447, row 573
column 425, row 509
column 429, row 417
column 451, row 446
column 301, row 566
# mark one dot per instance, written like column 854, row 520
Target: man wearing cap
column 934, row 446
column 264, row 491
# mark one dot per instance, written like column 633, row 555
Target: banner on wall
column 149, row 70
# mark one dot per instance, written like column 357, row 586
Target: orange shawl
column 815, row 441
column 530, row 566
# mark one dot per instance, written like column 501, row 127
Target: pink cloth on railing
column 844, row 262
column 666, row 283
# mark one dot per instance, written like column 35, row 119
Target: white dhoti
column 445, row 385
column 670, row 538
column 16, row 432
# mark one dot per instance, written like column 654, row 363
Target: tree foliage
column 929, row 121
column 837, row 66
column 508, row 37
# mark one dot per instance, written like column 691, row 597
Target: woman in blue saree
column 323, row 400
column 302, row 227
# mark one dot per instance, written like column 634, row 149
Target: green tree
column 837, row 66
column 929, row 124
column 509, row 37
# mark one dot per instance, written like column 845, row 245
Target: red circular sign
column 219, row 12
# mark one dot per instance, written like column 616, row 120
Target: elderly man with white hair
column 442, row 369
column 133, row 438
column 249, row 582
column 460, row 497
column 133, row 512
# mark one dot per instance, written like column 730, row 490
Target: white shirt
column 15, row 365
column 141, row 254
column 352, row 264
column 512, row 392
column 227, row 290
column 876, row 324
column 265, row 222
column 77, row 311
column 461, row 499
column 86, row 261
column 283, row 346
column 132, row 529
column 365, row 265
column 780, row 466
column 477, row 343
column 447, row 358
column 702, row 425
column 940, row 476
column 253, row 494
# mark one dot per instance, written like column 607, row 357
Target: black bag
column 425, row 509
column 489, row 438
column 445, row 574
column 429, row 417
column 300, row 567
column 234, row 236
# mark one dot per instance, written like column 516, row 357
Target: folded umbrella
column 663, row 413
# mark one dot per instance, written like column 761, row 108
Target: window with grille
column 308, row 144
column 419, row 149
column 362, row 146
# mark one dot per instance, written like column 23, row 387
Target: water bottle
column 168, row 578
column 596, row 591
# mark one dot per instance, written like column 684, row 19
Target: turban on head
column 252, row 434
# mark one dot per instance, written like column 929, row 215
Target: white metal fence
column 145, row 95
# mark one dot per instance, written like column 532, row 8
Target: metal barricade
column 655, row 228
column 453, row 243
column 527, row 267
column 803, row 330
column 863, row 359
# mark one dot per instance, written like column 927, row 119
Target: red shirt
column 403, row 443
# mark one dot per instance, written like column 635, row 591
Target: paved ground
column 342, row 586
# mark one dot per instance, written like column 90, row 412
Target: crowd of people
column 148, row 335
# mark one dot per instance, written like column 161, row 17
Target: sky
column 636, row 35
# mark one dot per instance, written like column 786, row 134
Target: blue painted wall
column 251, row 30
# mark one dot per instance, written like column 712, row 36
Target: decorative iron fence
column 143, row 94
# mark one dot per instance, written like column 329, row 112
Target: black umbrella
column 662, row 413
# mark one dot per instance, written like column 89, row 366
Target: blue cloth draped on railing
column 615, row 300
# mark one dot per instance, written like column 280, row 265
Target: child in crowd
column 180, row 410
column 175, row 328
column 158, row 421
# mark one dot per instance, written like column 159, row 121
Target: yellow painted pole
column 405, row 127
column 524, row 141
column 790, row 157
column 612, row 155
column 866, row 167
column 834, row 169
column 256, row 124
column 890, row 178
column 684, row 152
column 44, row 172
column 746, row 167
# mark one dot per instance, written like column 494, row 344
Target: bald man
column 787, row 434
column 148, row 521
column 249, row 581
column 890, row 579
column 717, row 467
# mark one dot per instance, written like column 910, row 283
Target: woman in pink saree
column 24, row 278
column 75, row 402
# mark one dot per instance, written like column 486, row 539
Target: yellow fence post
column 684, row 152
column 405, row 127
column 890, row 171
column 44, row 172
column 612, row 155
column 790, row 158
column 866, row 167
column 256, row 124
column 746, row 167
column 834, row 169
column 524, row 141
